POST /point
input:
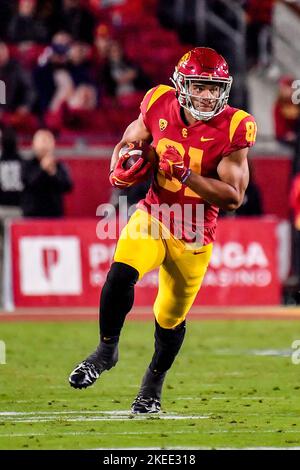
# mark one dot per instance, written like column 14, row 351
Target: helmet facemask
column 183, row 85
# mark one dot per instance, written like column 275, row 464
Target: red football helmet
column 204, row 65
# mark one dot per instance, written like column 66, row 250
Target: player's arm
column 228, row 192
column 135, row 131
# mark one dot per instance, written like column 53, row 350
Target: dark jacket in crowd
column 43, row 193
column 11, row 184
column 19, row 89
column 27, row 28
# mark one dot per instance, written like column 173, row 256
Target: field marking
column 197, row 448
column 51, row 413
column 251, row 397
column 136, row 433
column 10, row 416
column 18, row 417
column 226, row 397
column 252, row 352
column 88, row 416
column 82, row 419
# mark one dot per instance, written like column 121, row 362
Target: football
column 137, row 150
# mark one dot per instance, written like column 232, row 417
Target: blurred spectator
column 103, row 37
column 78, row 111
column 75, row 97
column 296, row 156
column 122, row 79
column 11, row 185
column 26, row 27
column 7, row 9
column 259, row 33
column 122, row 12
column 295, row 205
column 77, row 21
column 286, row 113
column 19, row 92
column 48, row 73
column 45, row 179
column 80, row 65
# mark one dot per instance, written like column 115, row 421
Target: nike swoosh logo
column 198, row 252
column 204, row 139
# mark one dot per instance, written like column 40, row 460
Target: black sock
column 167, row 344
column 152, row 384
column 116, row 300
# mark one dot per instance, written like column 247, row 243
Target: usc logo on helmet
column 184, row 58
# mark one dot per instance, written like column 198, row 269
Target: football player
column 202, row 145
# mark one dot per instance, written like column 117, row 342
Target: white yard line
column 225, row 397
column 86, row 416
column 134, row 433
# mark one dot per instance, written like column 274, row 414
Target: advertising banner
column 64, row 263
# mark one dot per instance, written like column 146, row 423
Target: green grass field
column 226, row 389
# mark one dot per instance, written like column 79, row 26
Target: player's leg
column 179, row 283
column 137, row 252
column 167, row 344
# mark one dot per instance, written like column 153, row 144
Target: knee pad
column 122, row 276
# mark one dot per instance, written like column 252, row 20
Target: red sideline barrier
column 63, row 263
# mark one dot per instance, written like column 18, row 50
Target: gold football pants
column 145, row 244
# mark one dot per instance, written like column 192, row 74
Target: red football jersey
column 202, row 144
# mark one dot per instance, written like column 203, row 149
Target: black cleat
column 88, row 371
column 143, row 405
column 84, row 375
column 148, row 398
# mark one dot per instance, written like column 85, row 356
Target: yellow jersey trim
column 161, row 90
column 235, row 121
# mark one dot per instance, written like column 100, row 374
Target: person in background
column 19, row 92
column 77, row 20
column 25, row 27
column 45, row 179
column 51, row 76
column 11, row 185
column 102, row 40
column 295, row 206
column 286, row 113
column 259, row 15
column 123, row 80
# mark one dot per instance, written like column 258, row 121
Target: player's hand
column 122, row 178
column 171, row 162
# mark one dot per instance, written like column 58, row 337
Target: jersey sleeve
column 145, row 103
column 151, row 97
column 242, row 131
